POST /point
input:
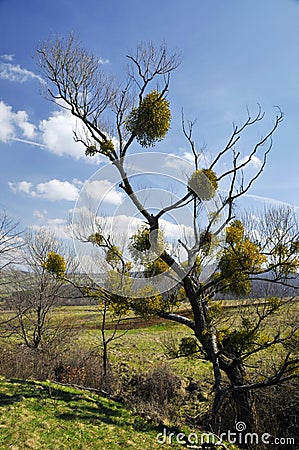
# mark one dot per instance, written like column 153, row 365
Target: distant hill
column 71, row 296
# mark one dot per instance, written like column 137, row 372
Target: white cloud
column 175, row 231
column 188, row 156
column 52, row 190
column 21, row 186
column 54, row 134
column 11, row 123
column 254, row 162
column 40, row 215
column 7, row 57
column 58, row 226
column 185, row 159
column 21, row 120
column 127, row 225
column 56, row 190
column 173, row 160
column 14, row 72
column 57, row 134
column 121, row 224
column 103, row 190
column 6, row 123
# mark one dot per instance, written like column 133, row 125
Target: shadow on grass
column 68, row 404
column 6, row 400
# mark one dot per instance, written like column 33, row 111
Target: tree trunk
column 105, row 358
column 243, row 404
column 243, row 420
column 241, row 397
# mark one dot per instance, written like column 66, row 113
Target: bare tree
column 77, row 81
column 36, row 293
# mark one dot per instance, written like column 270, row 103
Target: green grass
column 48, row 416
column 45, row 416
column 145, row 347
column 35, row 415
column 142, row 348
column 142, row 345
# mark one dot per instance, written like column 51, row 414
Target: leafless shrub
column 85, row 368
column 277, row 412
column 156, row 394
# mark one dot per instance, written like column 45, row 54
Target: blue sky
column 235, row 54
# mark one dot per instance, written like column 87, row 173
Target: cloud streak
column 27, row 141
column 270, row 200
column 14, row 72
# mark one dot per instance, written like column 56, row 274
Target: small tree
column 141, row 113
column 110, row 305
column 37, row 291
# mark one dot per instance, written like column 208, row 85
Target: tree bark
column 241, row 397
column 242, row 420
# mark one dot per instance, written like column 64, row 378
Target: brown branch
column 236, row 134
column 179, row 319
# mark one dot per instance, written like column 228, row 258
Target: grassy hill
column 48, row 416
column 45, row 416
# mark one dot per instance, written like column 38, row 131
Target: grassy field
column 47, row 416
column 144, row 341
column 41, row 415
column 141, row 345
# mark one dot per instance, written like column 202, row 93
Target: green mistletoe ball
column 203, row 183
column 150, row 122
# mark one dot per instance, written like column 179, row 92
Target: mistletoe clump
column 106, row 147
column 91, row 150
column 113, row 255
column 203, row 183
column 151, row 120
column 55, row 264
column 140, row 241
column 156, row 267
column 96, row 239
column 239, row 259
column 145, row 244
column 148, row 302
column 235, row 232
